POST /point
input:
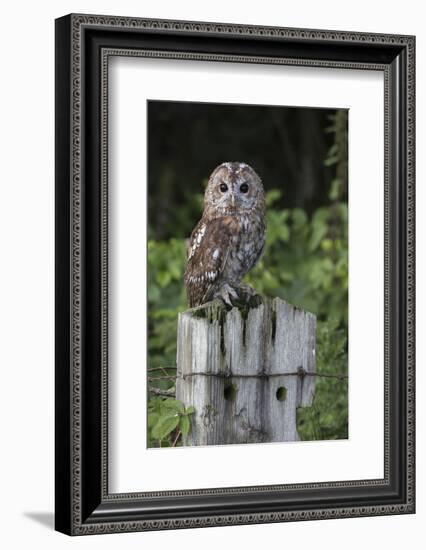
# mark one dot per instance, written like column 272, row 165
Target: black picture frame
column 83, row 45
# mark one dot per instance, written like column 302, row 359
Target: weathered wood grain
column 246, row 371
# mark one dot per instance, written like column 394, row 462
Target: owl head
column 234, row 187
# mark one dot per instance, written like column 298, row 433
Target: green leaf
column 272, row 196
column 164, row 426
column 319, row 232
column 284, row 233
column 164, row 278
column 153, row 419
column 154, row 293
column 331, row 160
column 334, row 189
column 190, row 410
column 299, row 217
column 333, row 149
column 174, row 405
column 327, row 245
column 184, row 424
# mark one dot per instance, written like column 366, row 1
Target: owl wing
column 208, row 251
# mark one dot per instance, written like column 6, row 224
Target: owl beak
column 233, row 201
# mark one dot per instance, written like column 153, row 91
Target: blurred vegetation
column 305, row 263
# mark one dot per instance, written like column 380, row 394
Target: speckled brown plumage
column 229, row 239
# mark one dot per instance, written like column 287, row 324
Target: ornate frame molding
column 76, row 510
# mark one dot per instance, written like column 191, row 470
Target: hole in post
column 281, row 393
column 230, row 392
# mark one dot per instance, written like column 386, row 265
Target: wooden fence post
column 246, row 371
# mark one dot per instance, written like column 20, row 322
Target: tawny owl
column 230, row 237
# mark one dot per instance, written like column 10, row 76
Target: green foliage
column 168, row 420
column 306, row 260
column 328, row 417
column 338, row 154
column 166, row 297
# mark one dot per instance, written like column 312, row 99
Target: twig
column 176, row 438
column 164, row 393
column 152, row 369
column 321, row 375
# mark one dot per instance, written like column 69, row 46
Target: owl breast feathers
column 229, row 239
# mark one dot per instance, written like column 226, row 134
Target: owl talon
column 248, row 295
column 247, row 291
column 227, row 294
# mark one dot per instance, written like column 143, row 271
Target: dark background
column 285, row 145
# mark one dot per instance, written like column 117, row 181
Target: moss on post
column 243, row 363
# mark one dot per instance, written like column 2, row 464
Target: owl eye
column 223, row 187
column 244, row 188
